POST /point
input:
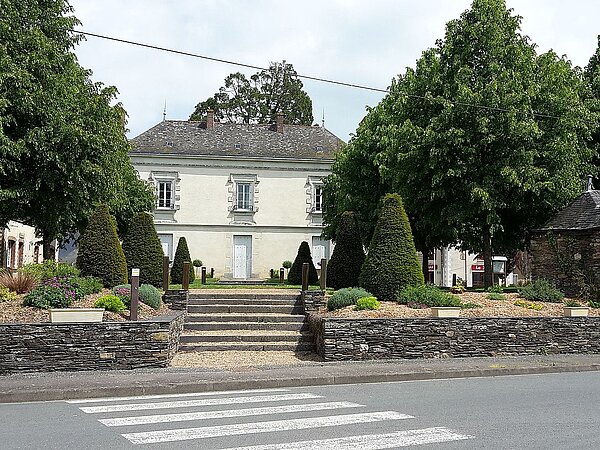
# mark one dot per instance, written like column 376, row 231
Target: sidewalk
column 69, row 385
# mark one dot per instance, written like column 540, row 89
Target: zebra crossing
column 213, row 418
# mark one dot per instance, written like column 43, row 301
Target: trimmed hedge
column 295, row 273
column 182, row 254
column 348, row 255
column 391, row 263
column 100, row 254
column 346, row 297
column 143, row 250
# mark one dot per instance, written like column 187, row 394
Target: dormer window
column 169, row 143
column 237, row 146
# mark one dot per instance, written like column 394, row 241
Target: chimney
column 280, row 122
column 210, row 119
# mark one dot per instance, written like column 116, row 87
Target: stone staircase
column 242, row 320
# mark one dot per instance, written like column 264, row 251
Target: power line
column 306, row 77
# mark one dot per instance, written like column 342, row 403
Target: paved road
column 535, row 411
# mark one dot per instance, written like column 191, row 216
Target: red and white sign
column 477, row 268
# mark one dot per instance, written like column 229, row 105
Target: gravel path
column 236, row 360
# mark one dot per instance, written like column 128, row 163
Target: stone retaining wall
column 352, row 339
column 177, row 300
column 89, row 346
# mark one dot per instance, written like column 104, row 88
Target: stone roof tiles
column 582, row 214
column 192, row 138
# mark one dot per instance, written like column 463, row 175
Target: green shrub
column 572, row 304
column 367, row 303
column 143, row 250
column 529, row 305
column 495, row 289
column 150, row 295
column 100, row 254
column 110, row 303
column 593, row 304
column 343, row 269
column 496, row 296
column 470, row 305
column 391, row 263
column 197, row 263
column 53, row 293
column 6, row 295
column 346, row 297
column 123, row 291
column 427, row 294
column 457, row 289
column 182, row 254
column 286, row 264
column 88, row 285
column 49, row 269
column 303, row 256
column 541, row 291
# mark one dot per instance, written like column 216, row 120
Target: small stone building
column 566, row 249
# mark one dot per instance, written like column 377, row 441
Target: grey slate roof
column 582, row 214
column 189, row 138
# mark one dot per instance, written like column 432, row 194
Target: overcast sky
column 356, row 41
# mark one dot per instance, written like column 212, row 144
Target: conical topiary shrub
column 348, row 255
column 295, row 274
column 182, row 254
column 391, row 263
column 100, row 254
column 143, row 250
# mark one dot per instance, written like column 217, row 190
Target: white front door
column 239, row 261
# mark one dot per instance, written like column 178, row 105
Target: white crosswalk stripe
column 210, row 408
column 192, row 394
column 151, row 437
column 189, row 403
column 205, row 415
column 370, row 441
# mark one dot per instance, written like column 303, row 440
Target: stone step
column 243, row 301
column 257, row 295
column 217, row 326
column 245, row 309
column 262, row 317
column 266, row 336
column 247, row 346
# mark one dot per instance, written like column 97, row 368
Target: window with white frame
column 164, row 194
column 317, row 205
column 167, row 190
column 243, row 196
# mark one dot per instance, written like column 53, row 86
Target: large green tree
column 260, row 98
column 62, row 141
column 483, row 138
column 592, row 78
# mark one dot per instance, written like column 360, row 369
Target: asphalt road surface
column 554, row 411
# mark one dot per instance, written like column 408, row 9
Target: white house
column 244, row 196
column 19, row 246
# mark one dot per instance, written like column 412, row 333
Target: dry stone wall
column 47, row 347
column 354, row 339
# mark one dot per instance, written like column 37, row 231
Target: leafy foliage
column 348, row 255
column 287, row 264
column 541, row 291
column 110, row 303
column 197, row 263
column 529, row 305
column 18, row 282
column 391, row 263
column 88, row 285
column 496, row 296
column 594, row 304
column 303, row 256
column 346, row 297
column 6, row 295
column 53, row 293
column 428, row 295
column 49, row 269
column 100, row 254
column 483, row 177
column 369, row 303
column 260, row 98
column 123, row 291
column 182, row 254
column 62, row 138
column 142, row 249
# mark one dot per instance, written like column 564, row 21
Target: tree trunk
column 47, row 245
column 425, row 265
column 487, row 256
